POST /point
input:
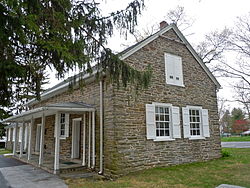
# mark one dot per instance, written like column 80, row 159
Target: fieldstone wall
column 89, row 94
column 135, row 152
column 126, row 148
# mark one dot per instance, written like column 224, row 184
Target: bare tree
column 214, row 46
column 179, row 17
column 176, row 16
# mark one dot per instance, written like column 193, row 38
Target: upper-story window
column 173, row 70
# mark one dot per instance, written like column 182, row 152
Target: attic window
column 173, row 70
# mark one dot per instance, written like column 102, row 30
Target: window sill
column 176, row 85
column 197, row 138
column 163, row 139
column 62, row 138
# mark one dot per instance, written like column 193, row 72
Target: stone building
column 113, row 131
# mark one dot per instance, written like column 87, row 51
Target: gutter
column 101, row 127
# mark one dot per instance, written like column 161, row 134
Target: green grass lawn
column 228, row 170
column 235, row 139
column 4, row 151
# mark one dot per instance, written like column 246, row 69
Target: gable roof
column 62, row 86
column 129, row 51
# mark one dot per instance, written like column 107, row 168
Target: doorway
column 76, row 134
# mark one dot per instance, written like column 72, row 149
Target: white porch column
column 21, row 144
column 30, row 138
column 57, row 144
column 93, row 139
column 42, row 141
column 84, row 141
column 89, row 143
column 15, row 139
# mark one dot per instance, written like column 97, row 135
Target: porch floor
column 48, row 163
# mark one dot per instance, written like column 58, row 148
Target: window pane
column 157, row 125
column 161, row 132
column 161, row 117
column 157, row 132
column 198, row 132
column 161, row 110
column 166, row 110
column 156, row 109
column 166, row 132
column 161, row 125
column 157, row 117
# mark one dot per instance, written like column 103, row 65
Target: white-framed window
column 63, row 125
column 162, row 122
column 9, row 134
column 195, row 122
column 173, row 70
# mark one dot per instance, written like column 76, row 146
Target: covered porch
column 56, row 137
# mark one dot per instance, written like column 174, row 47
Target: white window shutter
column 178, row 76
column 186, row 122
column 169, row 69
column 66, row 125
column 150, row 121
column 176, row 122
column 205, row 123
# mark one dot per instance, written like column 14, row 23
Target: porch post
column 84, row 141
column 93, row 139
column 21, row 144
column 30, row 138
column 57, row 143
column 15, row 139
column 42, row 141
column 89, row 153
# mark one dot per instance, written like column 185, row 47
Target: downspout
column 101, row 127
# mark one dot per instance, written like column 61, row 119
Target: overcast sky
column 208, row 15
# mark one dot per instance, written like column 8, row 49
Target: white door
column 76, row 139
column 38, row 136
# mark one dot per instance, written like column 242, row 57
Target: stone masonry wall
column 89, row 94
column 135, row 152
column 126, row 148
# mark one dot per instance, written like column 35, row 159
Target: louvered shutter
column 186, row 122
column 169, row 69
column 176, row 122
column 205, row 123
column 178, row 77
column 67, row 125
column 150, row 121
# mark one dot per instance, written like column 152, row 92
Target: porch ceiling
column 50, row 109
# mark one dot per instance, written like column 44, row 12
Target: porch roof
column 49, row 110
